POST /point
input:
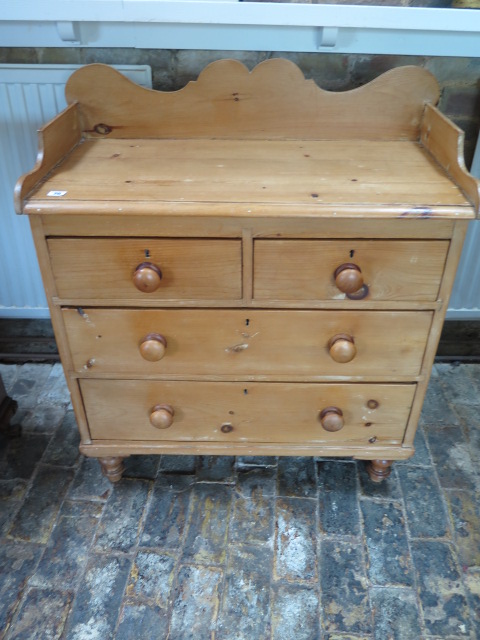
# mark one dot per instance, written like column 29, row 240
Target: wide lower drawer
column 103, row 268
column 234, row 342
column 390, row 269
column 246, row 412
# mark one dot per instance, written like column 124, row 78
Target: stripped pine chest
column 250, row 265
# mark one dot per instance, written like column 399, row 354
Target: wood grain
column 446, row 141
column 303, row 269
column 278, row 211
column 56, row 140
column 273, row 100
column 258, row 412
column 100, row 448
column 281, row 172
column 58, row 325
column 229, row 226
column 191, row 268
column 257, row 343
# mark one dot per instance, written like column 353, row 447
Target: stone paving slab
column 431, row 522
column 464, row 507
column 29, row 384
column 338, row 498
column 196, row 603
column 257, row 548
column 297, row 478
column 437, row 411
column 142, row 621
column 245, row 600
column 35, row 519
column 12, row 493
column 452, row 460
column 207, row 532
column 121, row 520
column 17, row 563
column 166, row 516
column 252, row 520
column 9, row 373
column 42, row 616
column 151, row 577
column 21, row 456
column 66, row 553
column 459, row 385
column 215, row 468
column 396, row 614
column 98, row 599
column 295, row 612
column 44, row 418
column 89, row 482
column 296, row 540
column 8, row 511
column 470, row 419
column 442, row 594
column 55, row 390
column 145, row 467
column 346, row 636
column 389, row 561
column 471, row 579
column 256, row 482
column 63, row 447
column 344, row 587
column 178, row 464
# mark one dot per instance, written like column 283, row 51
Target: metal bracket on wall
column 327, row 37
column 243, row 26
column 68, row 32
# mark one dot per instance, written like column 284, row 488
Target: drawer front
column 248, row 342
column 104, row 268
column 246, row 412
column 304, row 269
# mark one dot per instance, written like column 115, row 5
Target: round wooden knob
column 348, row 278
column 331, row 419
column 153, row 347
column 161, row 416
column 342, row 348
column 147, row 277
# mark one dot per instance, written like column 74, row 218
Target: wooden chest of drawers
column 250, row 265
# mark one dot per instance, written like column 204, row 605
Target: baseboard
column 27, row 341
column 460, row 341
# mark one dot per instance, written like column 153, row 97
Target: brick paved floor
column 246, row 548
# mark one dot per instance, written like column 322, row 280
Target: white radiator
column 30, row 95
column 465, row 300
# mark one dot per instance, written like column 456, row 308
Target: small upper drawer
column 356, row 269
column 146, row 268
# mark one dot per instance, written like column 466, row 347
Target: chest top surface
column 240, row 143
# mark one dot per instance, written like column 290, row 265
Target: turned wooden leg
column 112, row 468
column 379, row 469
